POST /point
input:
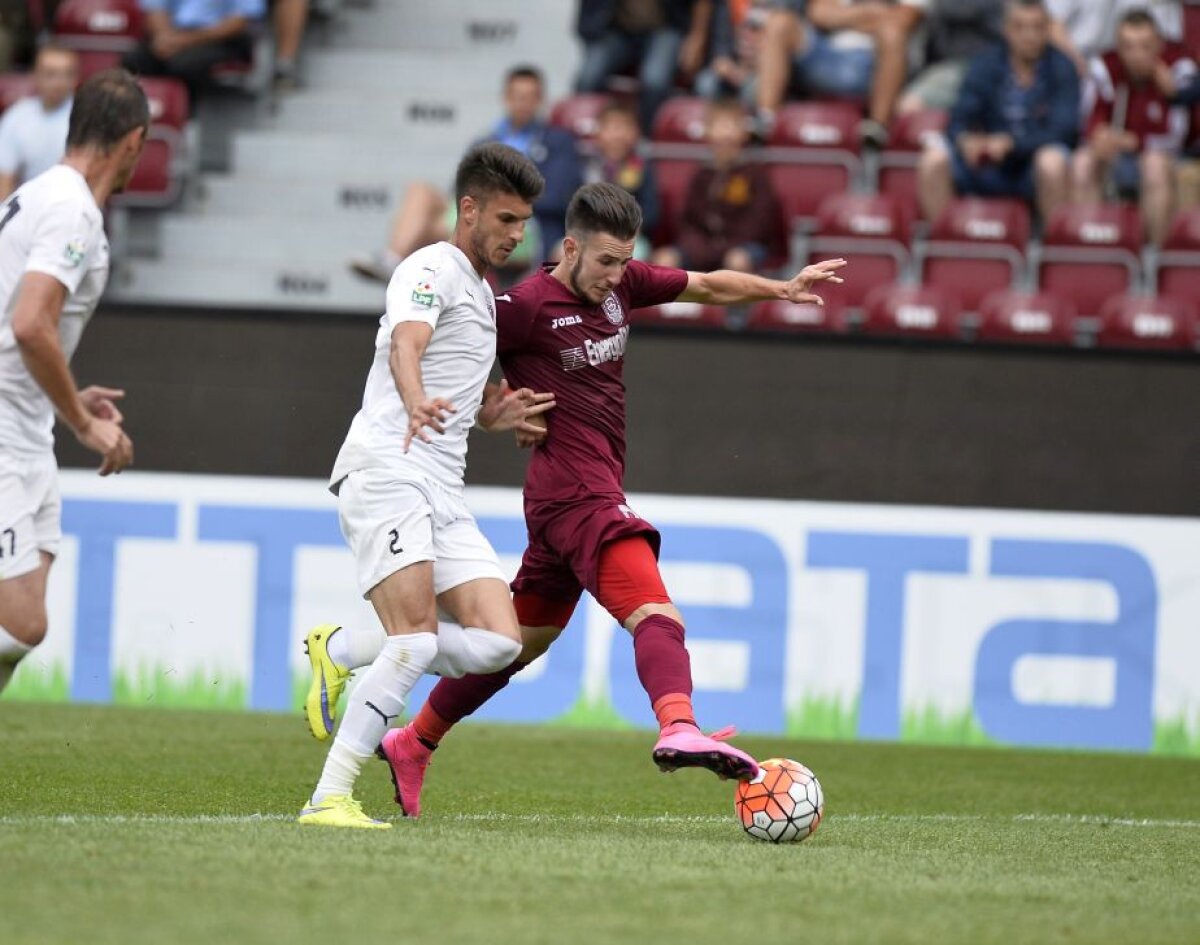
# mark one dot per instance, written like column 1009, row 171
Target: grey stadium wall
column 845, row 420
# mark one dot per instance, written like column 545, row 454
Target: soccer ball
column 783, row 803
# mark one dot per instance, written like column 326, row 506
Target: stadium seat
column 1179, row 262
column 871, row 232
column 1191, row 26
column 1150, row 322
column 579, row 114
column 1091, row 253
column 975, row 247
column 911, row 311
column 898, row 163
column 813, row 152
column 98, row 25
column 14, row 86
column 680, row 315
column 673, row 176
column 680, row 120
column 784, row 317
column 160, row 173
column 1026, row 317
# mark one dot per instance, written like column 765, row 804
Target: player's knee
column 651, row 610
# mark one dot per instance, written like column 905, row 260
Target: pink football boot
column 685, row 746
column 407, row 760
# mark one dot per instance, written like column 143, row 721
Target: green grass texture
column 132, row 826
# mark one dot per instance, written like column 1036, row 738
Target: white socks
column 461, row 650
column 12, row 651
column 355, row 647
column 378, row 698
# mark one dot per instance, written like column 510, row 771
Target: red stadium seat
column 912, row 311
column 92, row 61
column 871, row 233
column 813, row 153
column 1152, row 322
column 1191, row 26
column 680, row 315
column 1026, row 317
column 168, row 99
column 975, row 247
column 898, row 163
column 673, row 177
column 14, row 86
column 680, row 120
column 580, row 114
column 1179, row 261
column 1091, row 253
column 98, row 25
column 778, row 316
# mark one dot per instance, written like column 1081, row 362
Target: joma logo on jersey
column 565, row 321
column 610, row 349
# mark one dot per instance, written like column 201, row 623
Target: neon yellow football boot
column 328, row 680
column 339, row 810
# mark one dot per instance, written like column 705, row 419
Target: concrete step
column 296, row 286
column 256, row 196
column 440, row 119
column 292, row 155
column 275, row 241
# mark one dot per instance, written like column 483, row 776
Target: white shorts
column 390, row 523
column 30, row 513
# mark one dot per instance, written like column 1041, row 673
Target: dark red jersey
column 1140, row 107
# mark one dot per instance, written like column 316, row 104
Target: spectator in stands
column 1014, row 123
column 290, row 18
column 427, row 214
column 1187, row 177
column 733, row 58
column 1134, row 135
column 187, row 38
column 615, row 160
column 957, row 31
column 731, row 217
column 654, row 37
column 33, row 132
column 857, row 48
column 1084, row 29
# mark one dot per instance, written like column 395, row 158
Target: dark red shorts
column 564, row 559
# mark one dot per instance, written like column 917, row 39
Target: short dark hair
column 107, row 107
column 494, row 168
column 1011, row 5
column 524, row 71
column 1139, row 16
column 616, row 108
column 604, row 208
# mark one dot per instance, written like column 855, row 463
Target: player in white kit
column 399, row 475
column 53, row 268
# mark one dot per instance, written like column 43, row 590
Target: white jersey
column 52, row 225
column 436, row 285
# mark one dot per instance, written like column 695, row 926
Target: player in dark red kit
column 565, row 329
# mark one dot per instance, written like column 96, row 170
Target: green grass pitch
column 131, row 826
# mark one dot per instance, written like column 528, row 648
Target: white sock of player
column 12, row 651
column 378, row 698
column 463, row 650
column 355, row 647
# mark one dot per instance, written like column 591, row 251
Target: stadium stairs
column 394, row 93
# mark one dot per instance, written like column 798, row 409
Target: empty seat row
column 1009, row 316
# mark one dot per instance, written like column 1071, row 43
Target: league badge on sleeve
column 423, row 294
column 75, row 251
column 613, row 311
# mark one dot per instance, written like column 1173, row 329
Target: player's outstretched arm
column 35, row 328
column 726, row 287
column 409, row 341
column 521, row 410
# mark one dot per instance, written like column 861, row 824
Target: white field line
column 589, row 820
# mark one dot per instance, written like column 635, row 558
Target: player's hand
column 428, row 413
column 108, row 439
column 100, row 402
column 797, row 292
column 527, row 439
column 508, row 409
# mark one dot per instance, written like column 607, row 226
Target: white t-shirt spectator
column 1092, row 24
column 32, row 140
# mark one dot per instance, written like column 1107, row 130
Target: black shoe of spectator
column 376, row 267
column 873, row 134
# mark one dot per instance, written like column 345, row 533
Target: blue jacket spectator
column 187, row 38
column 1015, row 121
